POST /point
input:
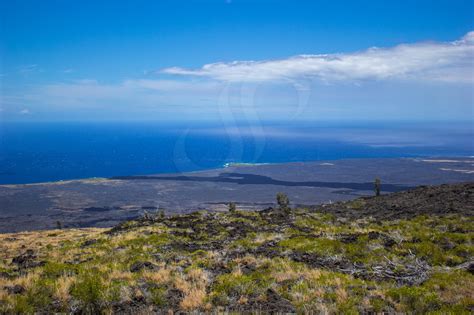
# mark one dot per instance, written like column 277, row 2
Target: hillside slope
column 407, row 252
column 423, row 200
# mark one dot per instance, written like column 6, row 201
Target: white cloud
column 91, row 93
column 172, row 85
column 26, row 69
column 207, row 88
column 430, row 61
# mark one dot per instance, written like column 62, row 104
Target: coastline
column 103, row 202
column 327, row 162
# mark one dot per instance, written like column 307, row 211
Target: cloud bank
column 383, row 82
column 89, row 93
column 429, row 61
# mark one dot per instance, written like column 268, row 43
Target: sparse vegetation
column 232, row 207
column 377, row 185
column 244, row 261
column 283, row 202
column 161, row 213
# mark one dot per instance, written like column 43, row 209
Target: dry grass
column 341, row 294
column 117, row 274
column 194, row 299
column 26, row 281
column 162, row 276
column 461, row 289
column 125, row 294
column 182, row 285
column 198, row 277
column 63, row 286
column 193, row 284
column 14, row 244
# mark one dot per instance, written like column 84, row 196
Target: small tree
column 232, row 207
column 283, row 201
column 161, row 213
column 377, row 185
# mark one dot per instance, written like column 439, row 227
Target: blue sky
column 253, row 60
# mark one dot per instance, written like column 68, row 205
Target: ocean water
column 40, row 152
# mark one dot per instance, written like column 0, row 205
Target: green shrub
column 21, row 305
column 55, row 269
column 232, row 286
column 415, row 299
column 89, row 290
column 41, row 292
column 321, row 246
column 158, row 296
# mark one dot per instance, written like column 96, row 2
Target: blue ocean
column 41, row 152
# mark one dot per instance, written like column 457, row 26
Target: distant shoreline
column 102, row 202
column 437, row 159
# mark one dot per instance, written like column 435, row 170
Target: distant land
column 103, row 202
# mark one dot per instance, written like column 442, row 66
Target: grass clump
column 414, row 299
column 234, row 286
column 89, row 290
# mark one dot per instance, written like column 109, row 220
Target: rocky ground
column 423, row 200
column 403, row 252
column 103, row 202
